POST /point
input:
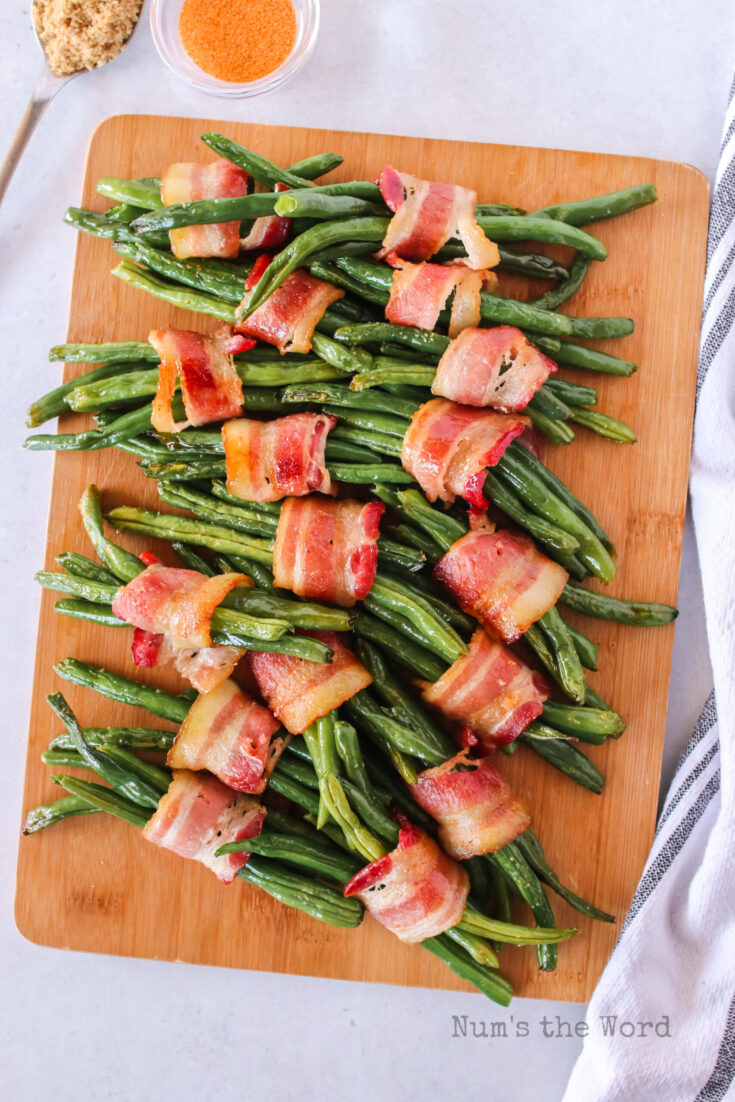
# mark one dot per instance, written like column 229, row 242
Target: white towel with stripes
column 674, row 964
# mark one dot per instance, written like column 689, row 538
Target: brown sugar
column 238, row 40
column 82, row 34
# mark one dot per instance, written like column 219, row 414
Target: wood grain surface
column 93, row 883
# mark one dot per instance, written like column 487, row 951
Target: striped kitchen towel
column 662, row 1019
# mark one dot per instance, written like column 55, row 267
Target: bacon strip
column 492, row 367
column 231, row 735
column 447, row 448
column 416, row 891
column 210, row 385
column 269, row 232
column 427, row 214
column 490, row 691
column 327, row 550
column 299, row 692
column 186, row 183
column 179, row 604
column 199, row 814
column 290, row 315
column 502, row 580
column 474, row 806
column 419, row 293
column 270, row 460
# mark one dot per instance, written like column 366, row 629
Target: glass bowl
column 165, row 29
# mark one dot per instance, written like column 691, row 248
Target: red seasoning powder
column 238, row 40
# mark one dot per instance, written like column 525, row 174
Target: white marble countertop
column 622, row 77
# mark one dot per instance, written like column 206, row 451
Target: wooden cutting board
column 93, row 883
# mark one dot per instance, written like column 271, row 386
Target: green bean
column 190, row 531
column 388, row 370
column 366, row 473
column 548, row 403
column 424, row 586
column 529, row 228
column 304, row 853
column 203, row 212
column 604, row 425
column 136, row 738
column 397, row 411
column 514, row 866
column 257, row 166
column 582, row 212
column 346, row 360
column 103, row 799
column 404, row 706
column 567, row 759
column 318, row 165
column 185, row 299
column 54, row 403
column 107, row 353
column 97, row 225
column 192, row 273
column 552, row 300
column 507, row 311
column 475, row 923
column 142, row 193
column 422, row 340
column 308, row 203
column 121, row 689
column 441, row 526
column 240, row 518
column 123, row 427
column 602, row 607
column 93, row 612
column 535, row 493
column 38, row 818
column 557, row 432
column 285, row 785
column 480, row 950
column 558, row 543
column 119, row 777
column 565, row 653
column 318, row 900
column 312, row 240
column 365, row 712
column 372, row 814
column 593, row 700
column 489, row 983
column 586, row 649
column 572, row 394
column 583, row 721
column 533, row 265
column 123, row 564
column 82, row 567
column 530, row 847
column 150, row 774
column 434, row 633
column 330, row 272
column 534, row 466
column 577, row 355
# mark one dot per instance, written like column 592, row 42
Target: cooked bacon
column 327, row 550
column 502, row 579
column 492, row 367
column 447, row 448
column 269, row 232
column 231, row 735
column 290, row 315
column 416, row 890
column 179, row 604
column 186, row 183
column 210, row 385
column 298, row 691
column 199, row 814
column 419, row 293
column 270, row 460
column 474, row 806
column 427, row 214
column 490, row 691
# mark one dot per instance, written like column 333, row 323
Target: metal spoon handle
column 47, row 87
